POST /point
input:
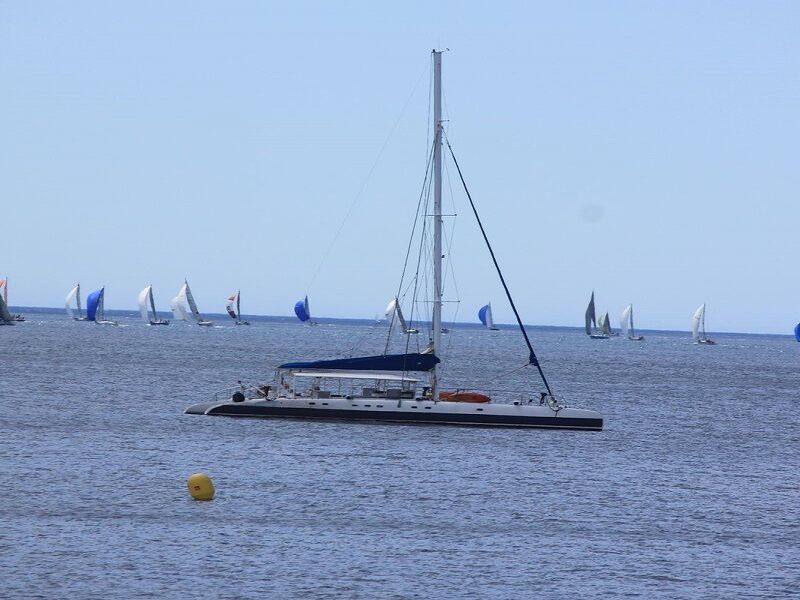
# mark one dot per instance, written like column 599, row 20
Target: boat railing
column 250, row 392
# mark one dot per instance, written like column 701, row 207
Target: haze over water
column 690, row 491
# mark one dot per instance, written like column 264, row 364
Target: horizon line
column 135, row 311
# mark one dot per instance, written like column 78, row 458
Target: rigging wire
column 421, row 205
column 532, row 357
column 364, row 183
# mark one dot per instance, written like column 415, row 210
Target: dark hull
column 474, row 420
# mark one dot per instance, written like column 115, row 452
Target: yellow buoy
column 200, row 486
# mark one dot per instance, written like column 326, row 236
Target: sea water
column 692, row 489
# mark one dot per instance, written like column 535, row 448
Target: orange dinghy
column 464, row 397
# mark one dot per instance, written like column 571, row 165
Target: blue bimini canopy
column 386, row 362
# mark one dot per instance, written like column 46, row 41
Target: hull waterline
column 406, row 411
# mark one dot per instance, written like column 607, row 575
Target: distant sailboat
column 394, row 313
column 626, row 324
column 699, row 327
column 146, row 304
column 74, row 295
column 5, row 316
column 605, row 325
column 4, row 286
column 178, row 305
column 302, row 311
column 95, row 310
column 591, row 323
column 485, row 315
column 233, row 307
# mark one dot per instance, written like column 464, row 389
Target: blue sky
column 646, row 150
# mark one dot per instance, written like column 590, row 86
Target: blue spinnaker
column 482, row 314
column 797, row 332
column 92, row 302
column 386, row 362
column 301, row 310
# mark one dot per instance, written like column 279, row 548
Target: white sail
column 178, row 305
column 489, row 318
column 192, row 304
column 698, row 317
column 393, row 310
column 73, row 293
column 143, row 298
column 100, row 315
column 625, row 320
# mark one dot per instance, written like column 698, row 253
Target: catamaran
column 95, row 308
column 17, row 318
column 394, row 314
column 74, row 295
column 178, row 305
column 699, row 327
column 592, row 329
column 485, row 316
column 626, row 324
column 233, row 306
column 147, row 304
column 384, row 387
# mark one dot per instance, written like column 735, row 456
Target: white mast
column 437, row 217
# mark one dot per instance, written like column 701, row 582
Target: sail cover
column 624, row 320
column 386, row 362
column 143, row 297
column 229, row 305
column 301, row 310
column 178, row 305
column 698, row 316
column 94, row 305
column 73, row 293
column 591, row 319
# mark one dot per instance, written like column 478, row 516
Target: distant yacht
column 303, row 312
column 395, row 314
column 591, row 323
column 626, row 324
column 74, row 295
column 5, row 316
column 95, row 308
column 14, row 317
column 233, row 306
column 699, row 327
column 485, row 316
column 178, row 305
column 146, row 304
column 605, row 326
